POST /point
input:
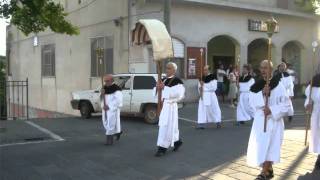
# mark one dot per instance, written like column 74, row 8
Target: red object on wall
column 193, row 61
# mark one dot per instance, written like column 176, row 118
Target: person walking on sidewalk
column 208, row 109
column 264, row 147
column 313, row 106
column 111, row 102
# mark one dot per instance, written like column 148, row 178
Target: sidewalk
column 295, row 163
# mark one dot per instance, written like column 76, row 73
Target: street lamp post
column 99, row 52
column 271, row 27
column 201, row 73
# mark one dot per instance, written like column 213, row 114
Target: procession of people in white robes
column 287, row 82
column 208, row 107
column 244, row 111
column 264, row 148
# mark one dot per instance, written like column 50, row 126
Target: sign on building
column 260, row 26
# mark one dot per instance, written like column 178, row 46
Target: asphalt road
column 73, row 148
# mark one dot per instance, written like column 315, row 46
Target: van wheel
column 85, row 110
column 150, row 114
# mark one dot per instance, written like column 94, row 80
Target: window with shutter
column 48, row 60
column 106, row 44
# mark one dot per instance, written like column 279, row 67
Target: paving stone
column 218, row 176
column 234, row 165
column 227, row 171
column 242, row 176
column 299, row 170
column 196, row 178
column 290, row 177
column 248, row 170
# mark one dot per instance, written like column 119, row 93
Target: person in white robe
column 172, row 92
column 264, row 147
column 208, row 109
column 111, row 103
column 312, row 105
column 287, row 81
column 244, row 112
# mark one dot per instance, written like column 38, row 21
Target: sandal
column 262, row 176
column 270, row 174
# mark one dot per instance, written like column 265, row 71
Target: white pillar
column 243, row 55
column 276, row 56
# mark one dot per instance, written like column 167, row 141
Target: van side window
column 122, row 81
column 144, row 82
column 127, row 85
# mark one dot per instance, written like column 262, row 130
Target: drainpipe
column 167, row 14
column 129, row 31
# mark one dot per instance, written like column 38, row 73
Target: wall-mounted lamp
column 118, row 22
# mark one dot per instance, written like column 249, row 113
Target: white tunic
column 111, row 117
column 315, row 119
column 288, row 84
column 168, row 120
column 265, row 146
column 208, row 108
column 244, row 111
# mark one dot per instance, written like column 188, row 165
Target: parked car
column 138, row 99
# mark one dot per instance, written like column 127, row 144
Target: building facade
column 227, row 30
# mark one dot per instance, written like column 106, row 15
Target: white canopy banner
column 155, row 32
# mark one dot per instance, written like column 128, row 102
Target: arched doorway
column 222, row 49
column 258, row 51
column 291, row 53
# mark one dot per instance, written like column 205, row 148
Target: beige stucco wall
column 270, row 3
column 72, row 55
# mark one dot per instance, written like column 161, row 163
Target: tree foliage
column 309, row 5
column 34, row 16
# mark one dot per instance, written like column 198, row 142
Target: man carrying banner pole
column 264, row 146
column 172, row 92
column 270, row 103
column 208, row 108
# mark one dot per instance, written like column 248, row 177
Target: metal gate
column 14, row 100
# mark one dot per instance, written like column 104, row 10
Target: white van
column 138, row 99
